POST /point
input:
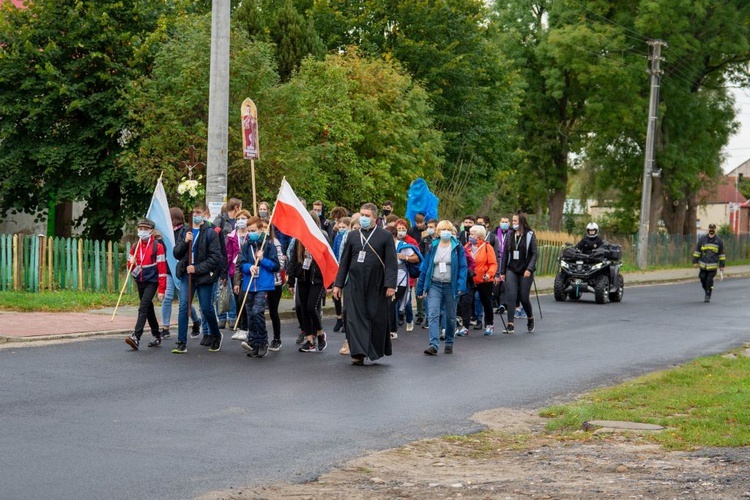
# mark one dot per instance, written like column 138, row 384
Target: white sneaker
column 410, row 327
column 394, row 335
column 240, row 335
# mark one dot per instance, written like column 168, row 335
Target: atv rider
column 592, row 241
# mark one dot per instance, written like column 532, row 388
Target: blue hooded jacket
column 269, row 264
column 459, row 268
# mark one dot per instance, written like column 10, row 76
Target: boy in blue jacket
column 257, row 264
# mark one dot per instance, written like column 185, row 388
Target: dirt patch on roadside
column 516, row 458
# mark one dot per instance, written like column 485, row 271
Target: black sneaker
column 478, row 325
column 322, row 342
column 252, row 352
column 155, row 343
column 300, row 338
column 401, row 320
column 216, row 343
column 530, row 325
column 206, row 340
column 275, row 345
column 164, row 332
column 196, row 329
column 419, row 320
column 339, row 325
column 509, row 329
column 133, row 342
column 449, row 349
column 180, row 349
column 262, row 351
column 431, row 351
column 307, row 347
column 708, row 298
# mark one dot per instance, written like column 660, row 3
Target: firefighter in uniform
column 709, row 256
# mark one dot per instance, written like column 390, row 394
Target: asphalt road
column 91, row 419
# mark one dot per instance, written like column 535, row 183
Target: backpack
column 412, row 268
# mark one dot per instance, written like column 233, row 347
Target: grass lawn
column 703, row 403
column 59, row 301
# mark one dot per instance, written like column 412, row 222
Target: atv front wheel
column 559, row 288
column 601, row 289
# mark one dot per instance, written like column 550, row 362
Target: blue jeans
column 440, row 299
column 255, row 305
column 214, row 306
column 166, row 304
column 478, row 310
column 207, row 309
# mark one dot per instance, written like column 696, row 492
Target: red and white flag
column 293, row 219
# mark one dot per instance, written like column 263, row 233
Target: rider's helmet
column 592, row 230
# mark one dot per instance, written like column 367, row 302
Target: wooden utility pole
column 648, row 165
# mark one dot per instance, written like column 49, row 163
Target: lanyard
column 143, row 251
column 474, row 252
column 517, row 240
column 365, row 241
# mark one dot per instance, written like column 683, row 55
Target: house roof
column 725, row 191
column 16, row 3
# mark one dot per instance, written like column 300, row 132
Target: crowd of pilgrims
column 392, row 274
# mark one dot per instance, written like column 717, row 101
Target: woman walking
column 517, row 269
column 442, row 279
column 484, row 276
column 234, row 243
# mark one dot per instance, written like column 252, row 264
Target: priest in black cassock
column 367, row 274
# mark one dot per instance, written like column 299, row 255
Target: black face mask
column 711, row 233
column 386, row 212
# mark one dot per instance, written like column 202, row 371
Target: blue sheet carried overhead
column 421, row 200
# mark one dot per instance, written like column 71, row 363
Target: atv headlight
column 564, row 264
column 597, row 266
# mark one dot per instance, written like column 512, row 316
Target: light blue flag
column 159, row 213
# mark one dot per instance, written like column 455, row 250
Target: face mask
column 365, row 222
column 711, row 233
column 401, row 235
column 515, row 227
column 263, row 214
column 241, row 223
column 472, row 240
column 445, row 235
column 144, row 234
column 319, row 212
column 504, row 226
column 386, row 212
column 430, row 231
column 197, row 219
column 253, row 235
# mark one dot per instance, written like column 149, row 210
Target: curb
column 283, row 315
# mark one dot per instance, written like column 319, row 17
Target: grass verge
column 702, row 403
column 61, row 301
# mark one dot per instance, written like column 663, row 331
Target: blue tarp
column 421, row 200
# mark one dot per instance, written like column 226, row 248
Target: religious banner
column 250, row 147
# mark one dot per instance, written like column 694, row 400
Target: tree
column 447, row 47
column 169, row 108
column 63, row 67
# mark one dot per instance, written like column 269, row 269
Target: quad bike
column 597, row 273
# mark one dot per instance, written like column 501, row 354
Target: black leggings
column 393, row 315
column 518, row 288
column 274, row 298
column 310, row 297
column 485, row 295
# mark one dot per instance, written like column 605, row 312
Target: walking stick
column 130, row 270
column 537, row 300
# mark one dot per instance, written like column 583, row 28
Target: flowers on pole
column 191, row 190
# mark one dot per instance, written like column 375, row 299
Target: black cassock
column 364, row 285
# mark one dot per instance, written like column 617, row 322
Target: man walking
column 709, row 256
column 367, row 274
column 199, row 256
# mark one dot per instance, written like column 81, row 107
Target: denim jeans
column 214, row 306
column 166, row 304
column 257, row 334
column 440, row 299
column 207, row 309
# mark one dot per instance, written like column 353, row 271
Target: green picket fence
column 34, row 263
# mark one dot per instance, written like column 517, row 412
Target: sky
column 738, row 149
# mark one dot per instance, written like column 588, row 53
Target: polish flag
column 293, row 219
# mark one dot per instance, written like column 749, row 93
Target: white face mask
column 430, row 231
column 144, row 234
column 401, row 235
column 241, row 223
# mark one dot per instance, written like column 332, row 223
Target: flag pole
column 252, row 174
column 127, row 276
column 262, row 247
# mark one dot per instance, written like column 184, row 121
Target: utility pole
column 218, row 108
column 648, row 165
